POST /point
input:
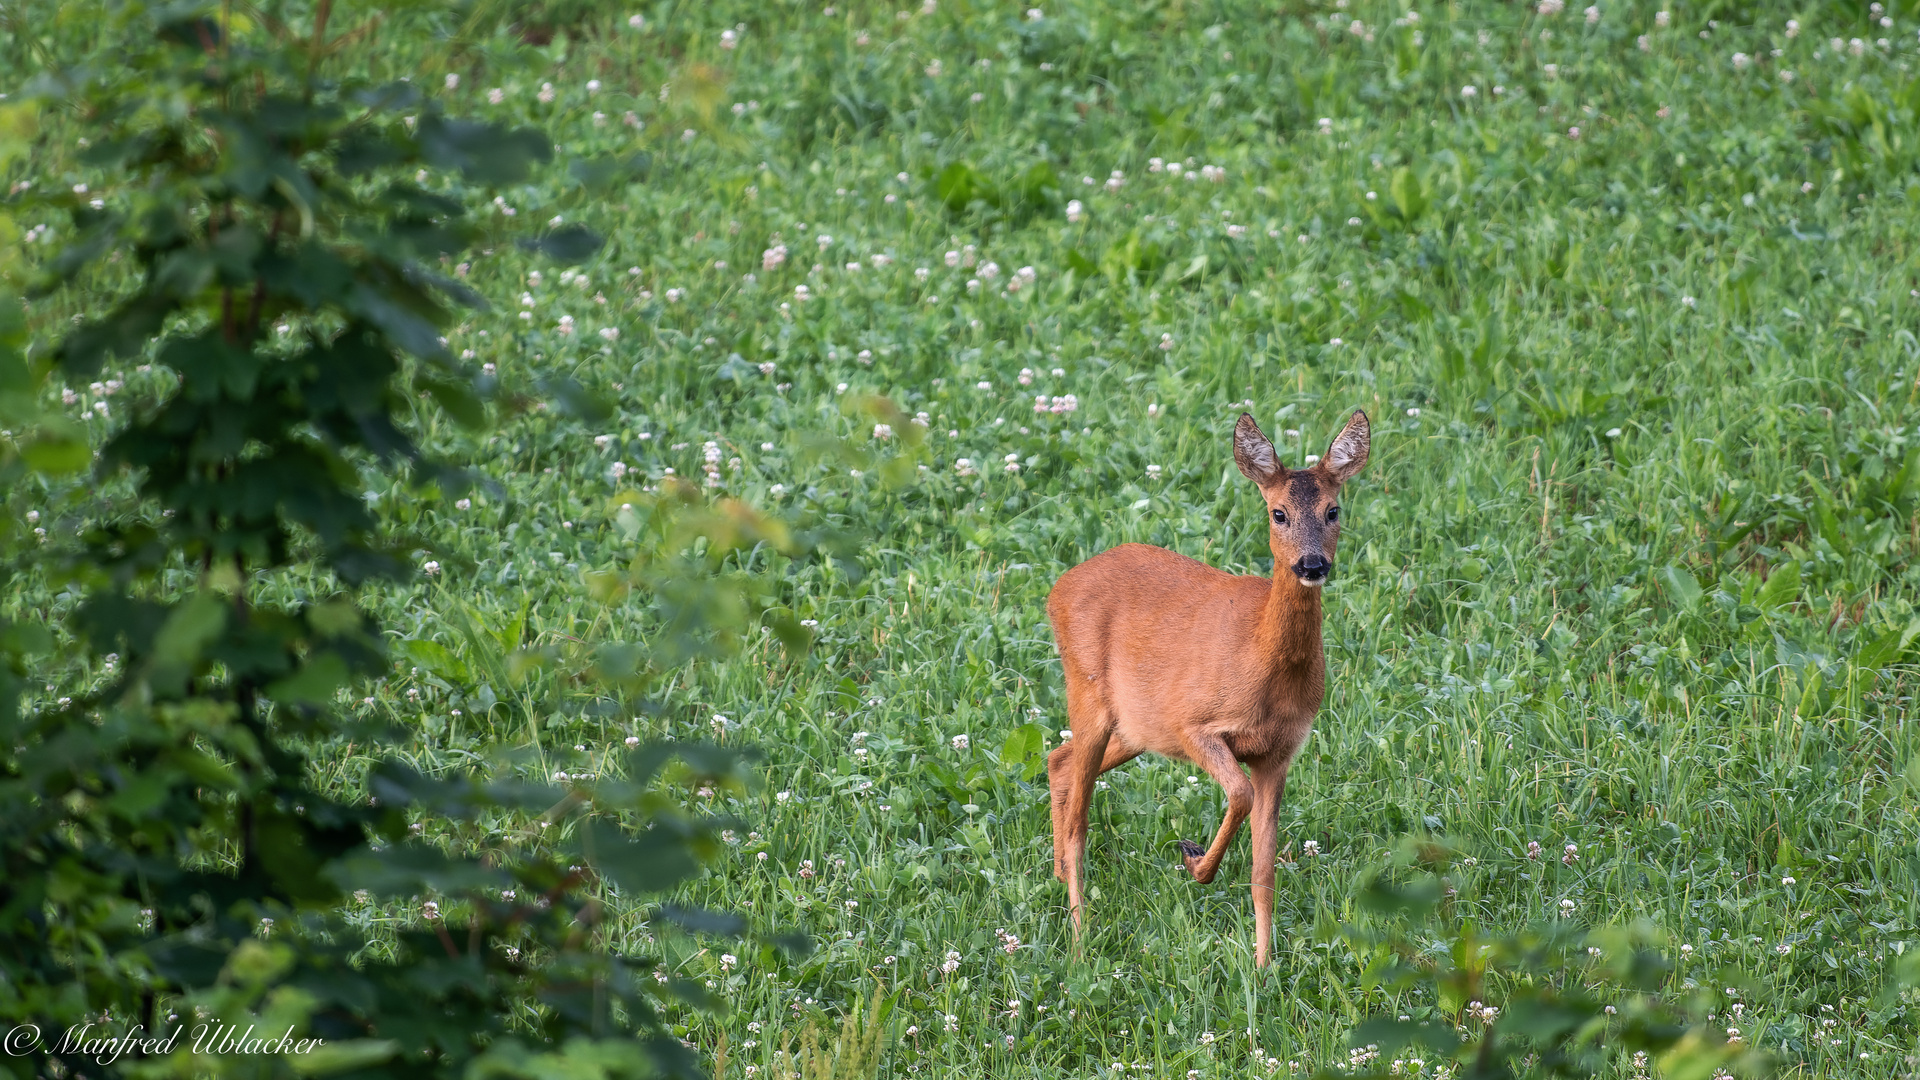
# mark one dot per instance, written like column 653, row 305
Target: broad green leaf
column 193, row 624
column 609, row 171
column 457, row 399
column 575, row 400
column 408, row 328
column 436, row 658
column 567, row 244
column 1408, row 194
column 1025, row 751
column 57, row 452
column 704, row 922
column 1782, row 587
column 343, row 1055
column 19, row 124
column 412, row 868
column 488, row 154
column 1681, row 586
column 1694, row 1058
column 25, row 638
column 314, row 683
column 1879, row 652
column 650, row 861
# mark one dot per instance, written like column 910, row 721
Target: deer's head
column 1303, row 505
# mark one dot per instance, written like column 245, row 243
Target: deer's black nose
column 1312, row 567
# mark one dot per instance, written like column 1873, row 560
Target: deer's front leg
column 1211, row 754
column 1269, row 783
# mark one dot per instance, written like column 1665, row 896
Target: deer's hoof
column 1190, row 854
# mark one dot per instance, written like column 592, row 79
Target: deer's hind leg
column 1060, row 791
column 1071, row 770
column 1087, row 713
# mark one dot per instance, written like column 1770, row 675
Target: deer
column 1164, row 654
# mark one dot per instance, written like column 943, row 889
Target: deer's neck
column 1291, row 622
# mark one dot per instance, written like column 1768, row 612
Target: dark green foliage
column 170, row 856
column 1545, row 1000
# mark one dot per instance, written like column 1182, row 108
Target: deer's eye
column 1279, row 517
column 1333, row 513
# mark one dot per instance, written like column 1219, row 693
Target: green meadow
column 955, row 296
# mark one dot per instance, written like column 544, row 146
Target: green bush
column 174, row 866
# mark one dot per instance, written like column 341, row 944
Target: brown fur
column 1169, row 656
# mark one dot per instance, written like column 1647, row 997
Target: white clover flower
column 1593, row 15
column 882, row 431
column 638, row 22
column 1663, row 18
column 729, row 39
column 964, row 466
column 431, row 567
column 1469, row 91
column 1741, row 60
column 609, row 333
column 546, row 93
column 453, row 82
column 960, row 742
column 1793, row 28
column 1076, row 211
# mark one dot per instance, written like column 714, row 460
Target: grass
column 1632, row 567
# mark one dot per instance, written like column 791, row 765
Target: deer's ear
column 1348, row 453
column 1254, row 454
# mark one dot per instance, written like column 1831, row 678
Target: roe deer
column 1168, row 655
